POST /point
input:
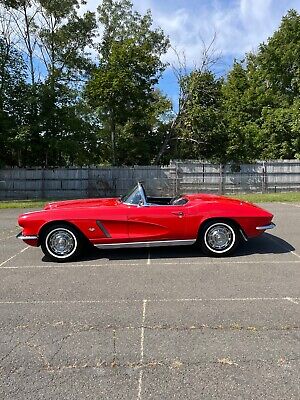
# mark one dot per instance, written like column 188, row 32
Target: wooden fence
column 178, row 177
column 271, row 176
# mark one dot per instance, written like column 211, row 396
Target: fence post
column 89, row 183
column 175, row 179
column 221, row 179
column 43, row 194
column 264, row 177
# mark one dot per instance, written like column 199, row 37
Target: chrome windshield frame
column 137, row 189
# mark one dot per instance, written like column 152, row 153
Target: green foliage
column 279, row 59
column 261, row 98
column 253, row 113
column 201, row 125
column 13, row 90
column 281, row 132
column 122, row 87
column 58, row 106
column 240, row 105
column 55, row 125
column 64, row 37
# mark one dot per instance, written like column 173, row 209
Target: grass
column 287, row 197
column 23, row 204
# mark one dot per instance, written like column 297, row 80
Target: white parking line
column 142, row 350
column 9, row 232
column 146, row 301
column 224, row 299
column 143, row 330
column 7, row 237
column 158, row 263
column 12, row 257
column 140, row 385
column 292, row 300
column 24, row 302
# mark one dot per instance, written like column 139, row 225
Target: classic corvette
column 216, row 224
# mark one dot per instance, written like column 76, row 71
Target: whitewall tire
column 61, row 243
column 219, row 238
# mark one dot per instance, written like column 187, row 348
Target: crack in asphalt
column 193, row 327
column 172, row 364
column 18, row 344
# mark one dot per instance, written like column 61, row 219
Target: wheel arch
column 229, row 220
column 47, row 225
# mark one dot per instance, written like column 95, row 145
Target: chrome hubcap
column 61, row 242
column 219, row 237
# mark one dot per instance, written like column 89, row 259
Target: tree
column 281, row 127
column 19, row 18
column 261, row 98
column 279, row 59
column 242, row 110
column 122, row 87
column 13, row 89
column 279, row 62
column 53, row 39
column 201, row 125
column 63, row 37
column 207, row 59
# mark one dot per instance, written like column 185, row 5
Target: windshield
column 135, row 196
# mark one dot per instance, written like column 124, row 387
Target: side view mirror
column 141, row 203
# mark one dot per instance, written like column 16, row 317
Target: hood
column 82, row 203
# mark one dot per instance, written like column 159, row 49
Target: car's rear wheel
column 219, row 238
column 61, row 243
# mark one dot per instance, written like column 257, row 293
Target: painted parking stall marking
column 115, row 265
column 145, row 301
column 142, row 350
column 12, row 257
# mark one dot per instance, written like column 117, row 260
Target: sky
column 239, row 25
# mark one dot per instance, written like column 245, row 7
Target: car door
column 157, row 222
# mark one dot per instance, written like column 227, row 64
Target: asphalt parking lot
column 167, row 323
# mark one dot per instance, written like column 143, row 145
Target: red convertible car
column 216, row 224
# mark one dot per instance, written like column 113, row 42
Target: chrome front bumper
column 265, row 227
column 31, row 237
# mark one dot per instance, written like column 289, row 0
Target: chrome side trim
column 263, row 228
column 103, row 229
column 31, row 237
column 158, row 243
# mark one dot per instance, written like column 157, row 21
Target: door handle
column 179, row 213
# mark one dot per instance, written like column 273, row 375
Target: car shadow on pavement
column 265, row 244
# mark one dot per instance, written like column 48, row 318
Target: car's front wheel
column 219, row 238
column 61, row 243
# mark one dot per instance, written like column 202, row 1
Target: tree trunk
column 113, row 139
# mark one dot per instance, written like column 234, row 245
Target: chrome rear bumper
column 265, row 227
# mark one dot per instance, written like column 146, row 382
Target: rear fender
column 228, row 220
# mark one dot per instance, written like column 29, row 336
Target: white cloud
column 240, row 25
column 256, row 9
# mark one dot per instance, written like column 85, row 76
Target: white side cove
column 159, row 243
